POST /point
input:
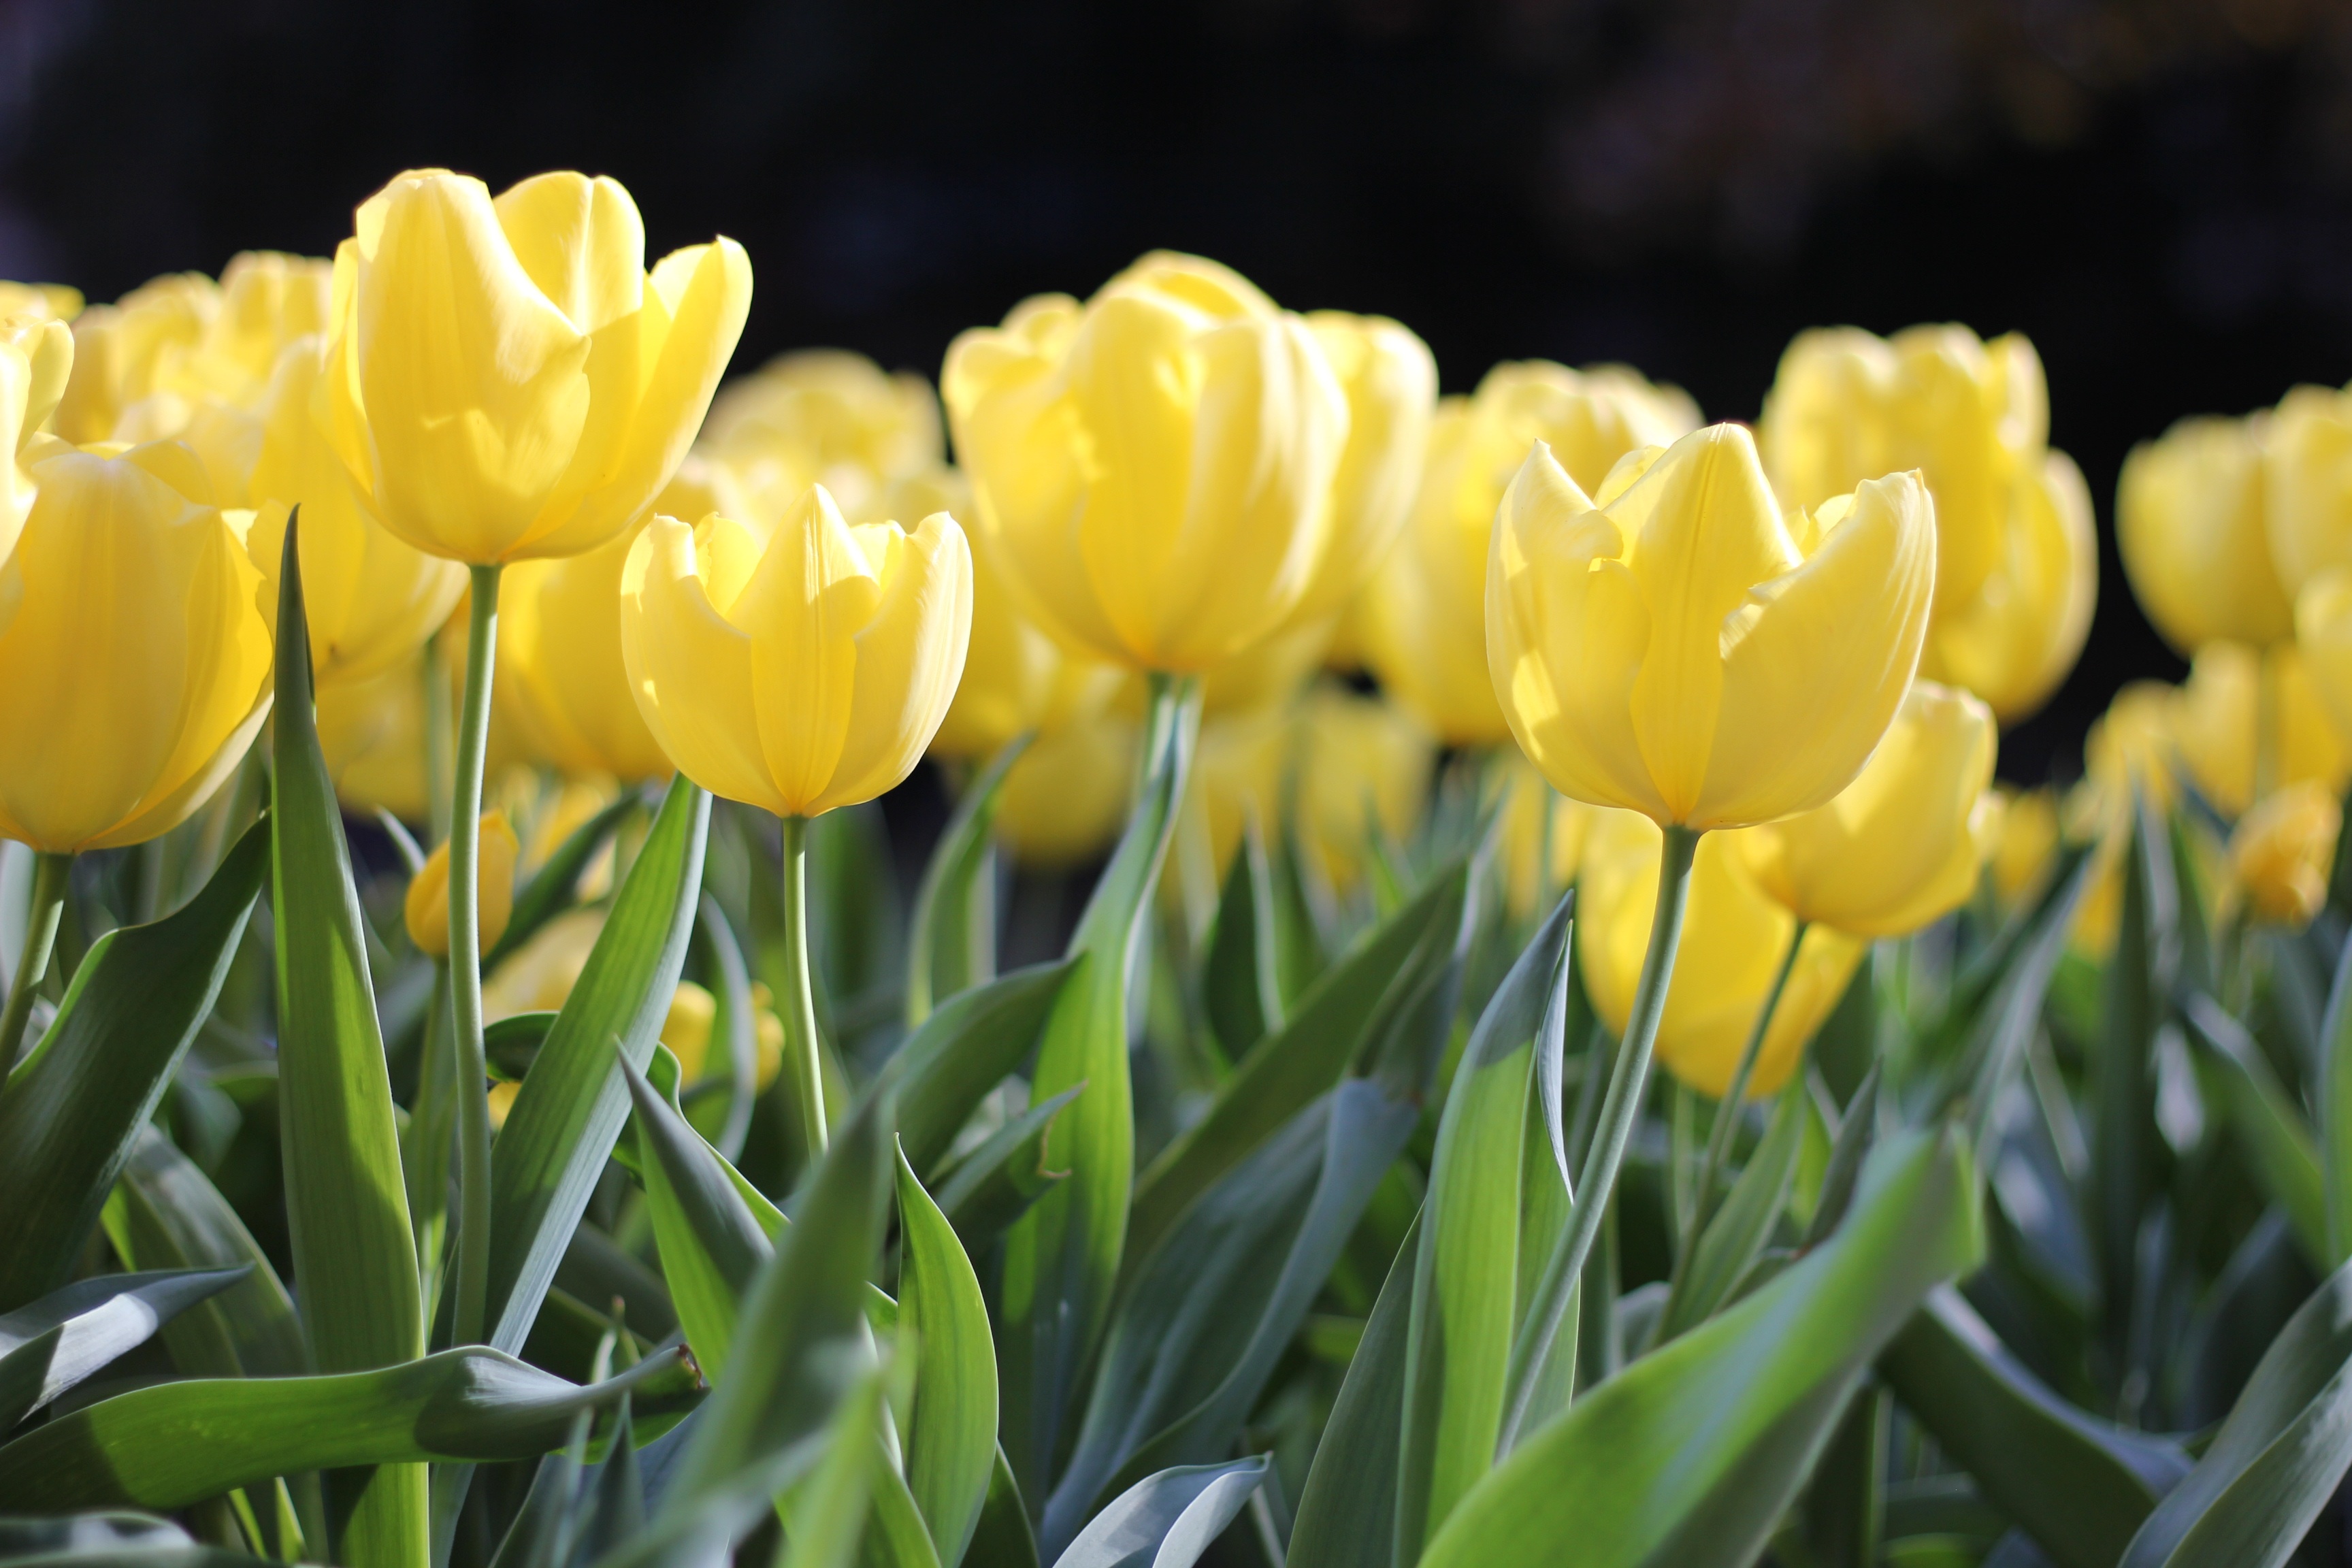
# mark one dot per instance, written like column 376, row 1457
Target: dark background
column 2161, row 194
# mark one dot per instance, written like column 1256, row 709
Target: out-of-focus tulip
column 507, row 381
column 1540, row 836
column 1363, row 771
column 372, row 736
column 2307, row 484
column 2189, row 518
column 1899, row 847
column 2131, row 753
column 804, row 678
column 2322, row 630
column 1680, row 650
column 1153, row 470
column 1733, row 940
column 2218, row 721
column 1424, row 616
column 372, row 600
column 2283, row 851
column 134, row 665
column 1236, row 779
column 1390, row 382
column 427, row 906
column 1268, row 676
column 1067, row 797
column 118, row 349
column 822, row 416
column 2016, row 553
column 2027, row 846
column 47, row 301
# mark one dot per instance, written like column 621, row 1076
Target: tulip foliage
column 1457, row 987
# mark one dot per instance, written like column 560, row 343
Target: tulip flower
column 1153, row 470
column 2249, row 720
column 822, row 416
column 2190, row 522
column 1063, row 799
column 1539, row 837
column 1424, row 616
column 134, row 663
column 426, row 907
column 42, row 301
column 2307, row 484
column 1391, row 383
column 805, row 677
column 2282, row 852
column 371, row 738
column 2016, row 552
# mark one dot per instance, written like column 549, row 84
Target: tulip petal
column 910, row 659
column 691, row 668
column 815, row 591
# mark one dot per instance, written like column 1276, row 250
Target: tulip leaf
column 1287, row 1069
column 114, row 1539
column 1001, row 1536
column 572, row 1105
column 964, row 1049
column 897, row 1534
column 1691, row 1455
column 988, row 1189
column 712, row 1247
column 1735, row 1238
column 2078, row 1485
column 555, row 887
column 2334, row 1097
column 950, row 1431
column 951, row 938
column 1856, row 1132
column 1466, row 1291
column 1061, row 1260
column 1168, row 1519
column 2279, row 1455
column 2277, row 1140
column 177, row 1443
column 1241, row 982
column 57, row 1342
column 1347, row 1515
column 72, row 1111
column 2123, row 1100
column 2007, row 1008
column 509, row 1044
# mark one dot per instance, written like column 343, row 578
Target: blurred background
column 2158, row 191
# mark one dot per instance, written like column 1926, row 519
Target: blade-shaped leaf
column 175, row 1218
column 951, row 938
column 1347, row 1515
column 108, row 1541
column 2277, row 1140
column 2335, row 1094
column 1735, row 1238
column 951, row 1432
column 1241, row 986
column 71, row 1112
column 1002, row 1538
column 52, row 1345
column 988, row 1189
column 1166, row 1521
column 964, row 1049
column 712, row 1247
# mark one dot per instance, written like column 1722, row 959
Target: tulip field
column 1476, row 1003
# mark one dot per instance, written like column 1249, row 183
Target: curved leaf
column 1347, row 1515
column 964, row 1048
column 951, row 1432
column 50, row 1346
column 712, row 1247
column 1166, row 1521
column 951, row 938
column 988, row 1189
column 1735, row 1238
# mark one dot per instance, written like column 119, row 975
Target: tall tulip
column 804, row 676
column 134, row 664
column 2190, row 522
column 1675, row 646
column 504, row 381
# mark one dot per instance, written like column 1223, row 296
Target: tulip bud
column 1153, row 470
column 804, row 678
column 1363, row 776
column 2189, row 519
column 1681, row 651
column 2307, row 484
column 1901, row 846
column 1539, row 837
column 134, row 665
column 823, row 417
column 2282, row 852
column 1424, row 615
column 427, row 906
column 506, row 379
column 1065, row 799
column 1733, row 940
column 2218, row 722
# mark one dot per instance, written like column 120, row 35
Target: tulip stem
column 1727, row 1111
column 1531, row 1347
column 800, row 1054
column 473, row 1274
column 49, row 872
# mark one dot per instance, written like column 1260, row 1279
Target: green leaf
column 823, row 1516
column 988, row 1189
column 2276, row 1138
column 1735, row 1238
column 1347, row 1515
column 963, row 1050
column 571, row 1107
column 1690, row 1455
column 951, row 940
column 2278, row 1457
column 1465, row 1295
column 509, row 1044
column 1170, row 1518
column 1315, row 1047
column 346, row 1196
column 2004, row 1005
column 1061, row 1260
column 1855, row 1134
column 71, row 1112
column 556, row 885
column 2124, row 1138
column 1002, row 1538
column 896, row 1533
column 951, row 1432
column 57, row 1342
column 2080, row 1485
column 712, row 1247
column 178, row 1443
column 2335, row 1101
column 1241, row 984
column 108, row 1541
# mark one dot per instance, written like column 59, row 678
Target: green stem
column 466, row 964
column 800, row 1050
column 1531, row 1347
column 1726, row 1111
column 49, row 872
column 439, row 785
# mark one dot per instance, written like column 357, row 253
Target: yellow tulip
column 2131, row 753
column 119, row 348
column 1391, row 383
column 372, row 737
column 1899, row 847
column 1363, row 773
column 2027, row 846
column 1153, row 470
column 2218, row 724
column 1733, row 940
column 2189, row 519
column 2322, row 630
column 2016, row 552
column 2307, row 484
column 35, row 358
column 134, row 664
column 1269, row 674
column 1539, row 837
column 804, row 678
column 2282, row 851
column 1423, row 617
column 1680, row 650
column 822, row 416
column 46, row 302
column 506, row 380
column 371, row 600
column 1066, row 798
column 426, row 908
